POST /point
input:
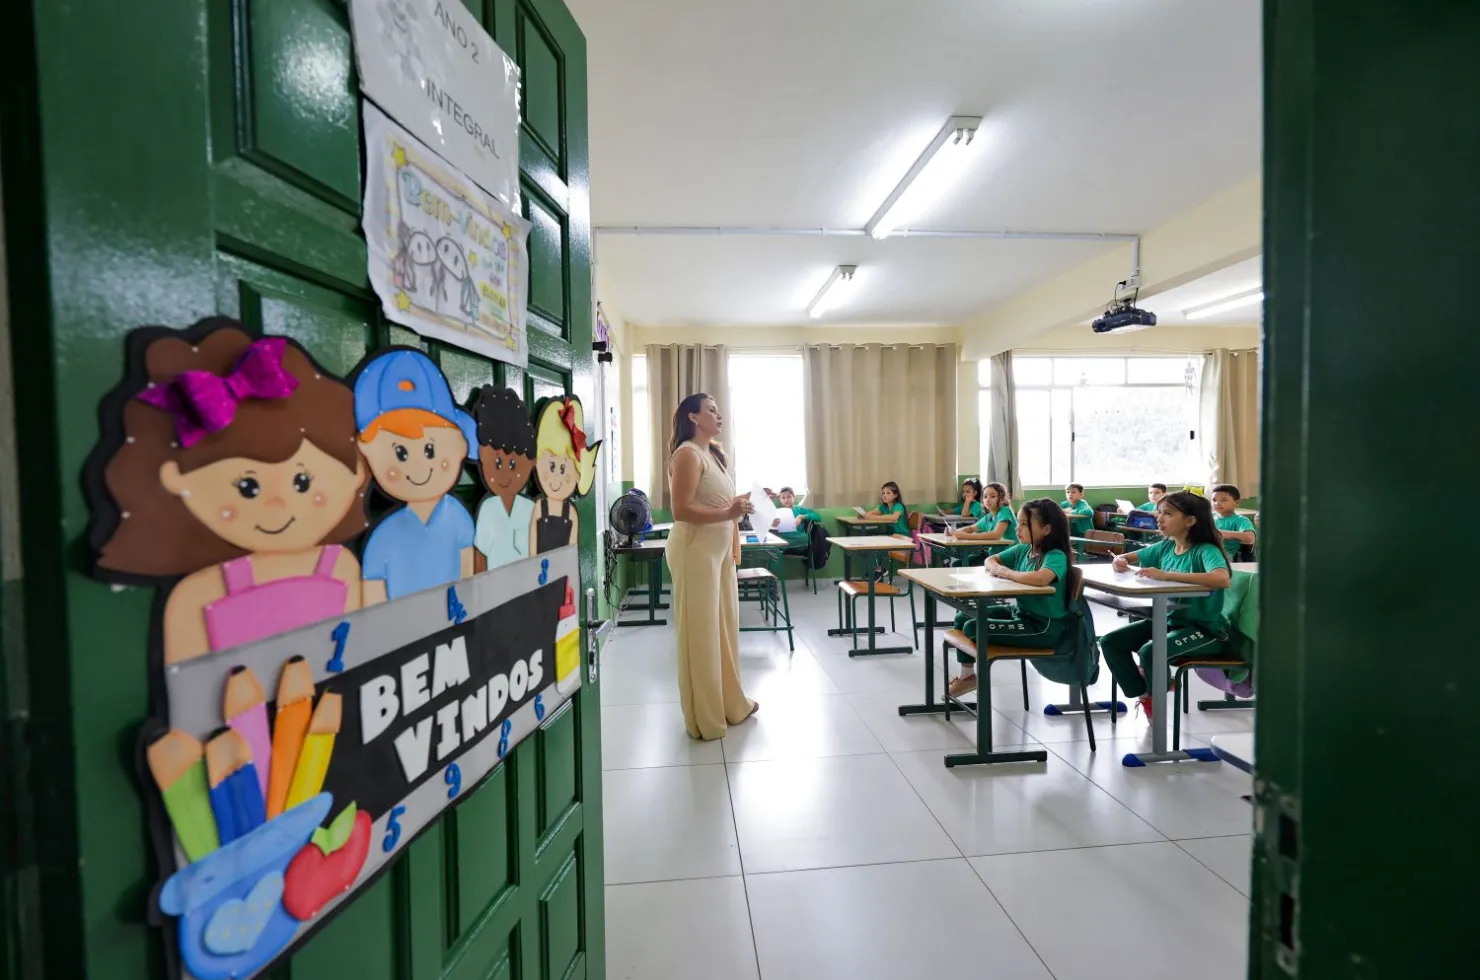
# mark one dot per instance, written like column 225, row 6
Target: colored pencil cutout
column 236, row 794
column 177, row 763
column 318, row 748
column 246, row 711
column 290, row 726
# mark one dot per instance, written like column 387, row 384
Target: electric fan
column 630, row 516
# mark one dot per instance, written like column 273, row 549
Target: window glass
column 1089, row 371
column 763, row 423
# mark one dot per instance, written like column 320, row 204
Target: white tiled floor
column 825, row 839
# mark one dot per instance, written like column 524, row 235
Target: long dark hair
column 974, row 484
column 685, row 430
column 1051, row 514
column 1204, row 531
column 898, row 497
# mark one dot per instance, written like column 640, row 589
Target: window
column 984, row 415
column 763, row 428
column 1102, row 421
column 642, row 429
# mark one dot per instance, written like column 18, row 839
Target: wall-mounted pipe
column 775, row 232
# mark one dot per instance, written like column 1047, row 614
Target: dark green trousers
column 1008, row 626
column 1123, row 647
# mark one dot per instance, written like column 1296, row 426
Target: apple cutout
column 328, row 865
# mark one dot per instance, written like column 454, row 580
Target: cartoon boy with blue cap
column 415, row 439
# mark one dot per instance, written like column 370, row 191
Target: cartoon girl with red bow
column 564, row 467
column 238, row 469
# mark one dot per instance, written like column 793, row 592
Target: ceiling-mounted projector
column 1123, row 313
column 1124, row 316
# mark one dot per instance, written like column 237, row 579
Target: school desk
column 966, row 589
column 947, row 521
column 875, row 553
column 1104, row 578
column 962, row 549
column 651, row 552
column 1236, row 750
column 760, row 564
column 851, row 525
column 660, row 530
column 1079, row 544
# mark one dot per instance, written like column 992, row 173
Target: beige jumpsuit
column 706, row 611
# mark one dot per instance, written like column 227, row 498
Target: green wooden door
column 166, row 161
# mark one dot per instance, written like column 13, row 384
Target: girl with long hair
column 971, row 498
column 997, row 522
column 1042, row 558
column 703, row 550
column 891, row 504
column 1191, row 552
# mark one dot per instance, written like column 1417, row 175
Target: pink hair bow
column 202, row 403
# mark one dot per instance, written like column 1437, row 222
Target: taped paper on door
column 446, row 259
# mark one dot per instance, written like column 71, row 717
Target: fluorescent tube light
column 1225, row 305
column 935, row 170
column 839, row 284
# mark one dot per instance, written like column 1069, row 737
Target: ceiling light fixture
column 936, row 169
column 839, row 284
column 1229, row 303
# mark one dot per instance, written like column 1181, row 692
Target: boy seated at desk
column 1081, row 515
column 1237, row 531
column 798, row 538
column 1156, row 491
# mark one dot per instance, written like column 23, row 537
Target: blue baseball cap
column 407, row 379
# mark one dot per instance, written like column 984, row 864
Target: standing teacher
column 703, row 549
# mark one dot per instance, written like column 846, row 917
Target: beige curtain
column 1003, row 446
column 676, row 371
column 1230, row 418
column 878, row 413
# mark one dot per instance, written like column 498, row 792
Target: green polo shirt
column 989, row 523
column 800, row 537
column 1084, row 522
column 1021, row 558
column 901, row 517
column 1205, row 611
column 1233, row 522
column 975, row 510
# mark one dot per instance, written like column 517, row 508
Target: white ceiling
column 1099, row 115
column 1233, row 280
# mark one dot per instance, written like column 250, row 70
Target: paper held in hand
column 786, row 521
column 765, row 511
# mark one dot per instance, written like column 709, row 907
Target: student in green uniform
column 1041, row 559
column 1191, row 552
column 971, row 498
column 891, row 502
column 1156, row 491
column 997, row 522
column 798, row 538
column 1238, row 531
column 1081, row 514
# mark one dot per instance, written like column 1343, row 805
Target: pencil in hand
column 176, row 760
column 318, row 747
column 290, row 725
column 236, row 794
column 246, row 711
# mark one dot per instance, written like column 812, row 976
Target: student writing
column 997, row 522
column 1237, row 531
column 1191, row 553
column 892, row 503
column 1081, row 514
column 1034, row 621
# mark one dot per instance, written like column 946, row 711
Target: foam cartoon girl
column 237, row 469
column 564, row 467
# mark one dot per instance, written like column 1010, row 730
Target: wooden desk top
column 1107, row 579
column 1096, row 541
column 1252, row 567
column 769, row 541
column 1124, row 529
column 890, row 542
column 969, row 583
column 947, row 541
column 949, row 518
column 647, row 547
column 854, row 519
column 663, row 528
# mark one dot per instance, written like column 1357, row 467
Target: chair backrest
column 915, row 520
column 1075, row 586
column 1109, row 537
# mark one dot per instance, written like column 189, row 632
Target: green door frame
column 1365, row 784
column 138, row 190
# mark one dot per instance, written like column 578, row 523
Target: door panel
column 243, row 199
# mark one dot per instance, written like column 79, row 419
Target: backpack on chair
column 1077, row 657
column 819, row 549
